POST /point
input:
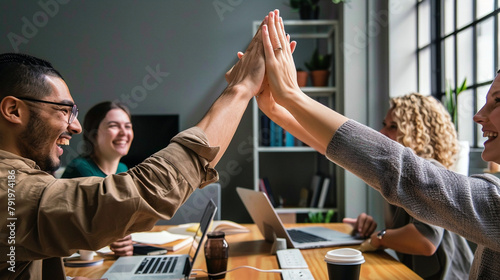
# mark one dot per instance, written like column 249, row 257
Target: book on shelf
column 304, row 193
column 289, row 140
column 265, row 138
column 273, row 135
column 325, row 185
column 276, row 135
column 299, row 143
column 265, row 187
column 315, row 190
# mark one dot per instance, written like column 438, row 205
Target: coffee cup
column 344, row 263
column 86, row 255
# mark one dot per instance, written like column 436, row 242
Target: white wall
column 355, row 77
column 380, row 62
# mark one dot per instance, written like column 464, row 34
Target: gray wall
column 379, row 62
column 107, row 49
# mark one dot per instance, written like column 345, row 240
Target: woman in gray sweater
column 421, row 123
column 468, row 206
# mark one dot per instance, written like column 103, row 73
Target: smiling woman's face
column 115, row 135
column 489, row 118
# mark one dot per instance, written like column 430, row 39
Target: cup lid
column 344, row 256
column 216, row 234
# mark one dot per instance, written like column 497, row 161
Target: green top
column 85, row 167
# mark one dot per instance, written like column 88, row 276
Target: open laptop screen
column 201, row 233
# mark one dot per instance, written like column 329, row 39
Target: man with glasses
column 44, row 218
column 73, row 114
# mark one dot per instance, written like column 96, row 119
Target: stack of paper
column 228, row 227
column 165, row 239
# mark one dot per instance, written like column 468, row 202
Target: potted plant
column 302, row 77
column 451, row 100
column 317, row 217
column 319, row 66
column 308, row 9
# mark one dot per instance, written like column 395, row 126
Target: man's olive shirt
column 51, row 218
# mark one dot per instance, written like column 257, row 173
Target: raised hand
column 250, row 69
column 280, row 67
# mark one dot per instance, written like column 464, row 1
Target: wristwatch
column 381, row 234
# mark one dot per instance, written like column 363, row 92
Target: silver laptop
column 270, row 225
column 164, row 266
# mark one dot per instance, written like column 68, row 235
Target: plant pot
column 461, row 165
column 307, row 11
column 320, row 78
column 302, row 78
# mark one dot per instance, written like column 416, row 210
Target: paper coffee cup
column 344, row 263
column 86, row 255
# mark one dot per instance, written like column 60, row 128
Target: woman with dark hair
column 108, row 134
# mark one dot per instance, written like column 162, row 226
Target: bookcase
column 284, row 164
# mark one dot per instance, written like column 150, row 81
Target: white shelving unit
column 326, row 30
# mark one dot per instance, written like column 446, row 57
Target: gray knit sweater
column 469, row 206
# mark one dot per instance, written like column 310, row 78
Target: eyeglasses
column 72, row 115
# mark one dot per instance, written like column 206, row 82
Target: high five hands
column 280, row 67
column 256, row 50
column 280, row 80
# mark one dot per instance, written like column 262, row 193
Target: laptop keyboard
column 164, row 265
column 303, row 237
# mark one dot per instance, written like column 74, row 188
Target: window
column 461, row 43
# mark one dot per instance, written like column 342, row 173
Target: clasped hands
column 267, row 65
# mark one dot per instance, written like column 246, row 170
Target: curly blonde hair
column 425, row 126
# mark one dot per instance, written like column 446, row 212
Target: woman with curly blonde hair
column 422, row 124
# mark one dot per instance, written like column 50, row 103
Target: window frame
column 437, row 50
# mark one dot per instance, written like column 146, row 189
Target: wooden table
column 251, row 249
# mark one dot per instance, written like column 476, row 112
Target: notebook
column 164, row 266
column 267, row 220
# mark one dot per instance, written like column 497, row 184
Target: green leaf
column 462, row 87
column 451, row 99
column 329, row 215
column 317, row 217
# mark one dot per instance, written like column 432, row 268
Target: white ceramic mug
column 86, row 255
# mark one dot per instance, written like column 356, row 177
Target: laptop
column 267, row 220
column 163, row 266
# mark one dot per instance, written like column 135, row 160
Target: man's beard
column 32, row 143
